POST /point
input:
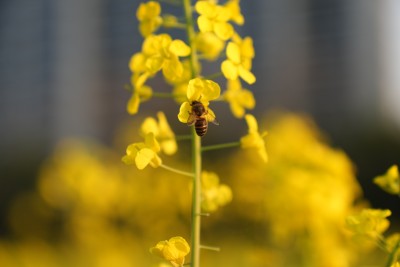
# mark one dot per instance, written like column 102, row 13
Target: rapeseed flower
column 370, row 222
column 173, row 250
column 149, row 17
column 144, row 153
column 214, row 194
column 201, row 90
column 162, row 132
column 238, row 62
column 214, row 18
column 209, row 45
column 390, row 181
column 254, row 139
column 159, row 52
column 238, row 98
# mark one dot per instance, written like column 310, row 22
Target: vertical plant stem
column 196, row 148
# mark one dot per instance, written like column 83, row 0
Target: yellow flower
column 214, row 18
column 148, row 15
column 143, row 154
column 370, row 222
column 238, row 98
column 214, row 194
column 139, row 94
column 165, row 54
column 254, row 139
column 236, row 15
column 173, row 250
column 390, row 181
column 209, row 45
column 238, row 64
column 162, row 132
column 201, row 90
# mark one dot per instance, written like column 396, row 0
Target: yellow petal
column 211, row 90
column 143, row 158
column 205, row 24
column 151, row 142
column 133, row 104
column 172, row 69
column 154, row 63
column 233, row 52
column 194, row 89
column 223, row 30
column 247, row 48
column 246, row 75
column 205, row 8
column 184, row 112
column 137, row 62
column 229, row 70
column 179, row 48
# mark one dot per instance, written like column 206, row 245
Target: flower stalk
column 196, row 147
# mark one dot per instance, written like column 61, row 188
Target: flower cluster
column 211, row 34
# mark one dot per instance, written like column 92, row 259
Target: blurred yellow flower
column 237, row 65
column 173, row 250
column 149, row 17
column 236, row 15
column 254, row 139
column 214, row 18
column 370, row 222
column 209, row 45
column 162, row 132
column 390, row 181
column 143, row 154
column 214, row 194
column 201, row 90
column 238, row 98
column 139, row 94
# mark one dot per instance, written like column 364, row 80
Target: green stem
column 220, row 146
column 392, row 255
column 183, row 137
column 196, row 146
column 176, row 170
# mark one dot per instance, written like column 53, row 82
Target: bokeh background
column 63, row 66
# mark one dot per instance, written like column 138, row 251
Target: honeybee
column 199, row 117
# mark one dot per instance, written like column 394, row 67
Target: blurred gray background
column 63, row 66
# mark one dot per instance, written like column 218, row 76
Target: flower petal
column 223, row 30
column 154, row 63
column 205, row 24
column 246, row 75
column 172, row 69
column 133, row 104
column 179, row 48
column 184, row 112
column 143, row 158
column 233, row 52
column 229, row 70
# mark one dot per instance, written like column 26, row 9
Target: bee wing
column 210, row 116
column 191, row 120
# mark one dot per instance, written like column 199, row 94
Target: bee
column 199, row 117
